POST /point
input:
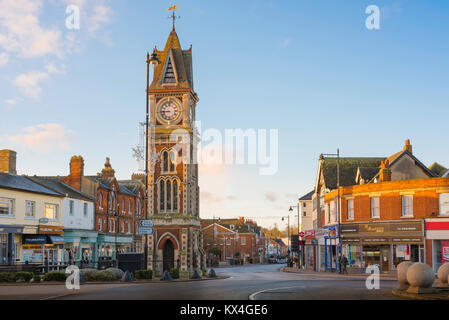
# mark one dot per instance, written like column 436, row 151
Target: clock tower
column 173, row 202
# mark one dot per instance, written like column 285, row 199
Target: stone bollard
column 196, row 275
column 402, row 275
column 420, row 276
column 443, row 275
column 166, row 276
column 212, row 273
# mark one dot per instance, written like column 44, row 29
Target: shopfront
column 8, row 247
column 331, row 247
column 437, row 239
column 311, row 245
column 80, row 247
column 385, row 244
column 109, row 245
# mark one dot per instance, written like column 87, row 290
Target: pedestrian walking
column 343, row 264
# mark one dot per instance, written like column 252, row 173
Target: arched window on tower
column 175, row 196
column 162, row 196
column 169, row 192
column 172, row 161
column 165, row 161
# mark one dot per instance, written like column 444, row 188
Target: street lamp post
column 338, row 198
column 150, row 60
column 288, row 235
column 300, row 257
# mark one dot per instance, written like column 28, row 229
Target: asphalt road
column 257, row 281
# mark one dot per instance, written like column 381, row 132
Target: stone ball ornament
column 402, row 272
column 420, row 275
column 443, row 274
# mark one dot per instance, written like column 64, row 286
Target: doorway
column 168, row 255
column 385, row 251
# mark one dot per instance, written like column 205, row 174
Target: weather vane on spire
column 173, row 16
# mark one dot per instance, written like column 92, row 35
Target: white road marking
column 253, row 295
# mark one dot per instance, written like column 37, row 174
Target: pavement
column 258, row 282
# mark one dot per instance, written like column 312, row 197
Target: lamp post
column 300, row 257
column 288, row 235
column 150, row 60
column 337, row 155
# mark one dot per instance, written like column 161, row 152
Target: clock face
column 169, row 110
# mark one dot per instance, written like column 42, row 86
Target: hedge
column 144, row 274
column 7, row 277
column 174, row 272
column 55, row 276
column 25, row 276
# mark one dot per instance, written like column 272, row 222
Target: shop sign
column 351, row 240
column 382, row 227
column 309, row 233
column 332, row 231
column 51, row 230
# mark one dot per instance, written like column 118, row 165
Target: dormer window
column 169, row 73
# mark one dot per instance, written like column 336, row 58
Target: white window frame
column 71, row 207
column 56, row 211
column 446, row 204
column 30, row 204
column 350, row 203
column 375, row 207
column 10, row 207
column 85, row 209
column 407, row 208
column 243, row 241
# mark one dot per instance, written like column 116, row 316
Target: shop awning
column 34, row 239
column 56, row 239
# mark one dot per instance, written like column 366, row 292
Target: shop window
column 375, row 209
column 407, row 206
column 6, row 207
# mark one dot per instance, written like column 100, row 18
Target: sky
column 309, row 69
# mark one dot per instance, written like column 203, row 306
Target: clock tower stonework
column 173, row 202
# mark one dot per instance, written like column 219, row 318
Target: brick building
column 234, row 236
column 385, row 218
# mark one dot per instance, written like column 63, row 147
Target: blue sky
column 310, row 69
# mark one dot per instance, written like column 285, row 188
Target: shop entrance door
column 385, row 256
column 168, row 255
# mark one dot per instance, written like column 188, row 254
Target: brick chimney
column 76, row 172
column 8, row 161
column 107, row 171
column 385, row 171
column 408, row 146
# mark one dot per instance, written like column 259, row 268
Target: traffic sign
column 302, row 234
column 146, row 230
column 146, row 223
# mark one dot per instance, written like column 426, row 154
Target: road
column 257, row 281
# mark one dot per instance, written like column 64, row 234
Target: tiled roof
column 367, row 173
column 181, row 61
column 307, row 196
column 348, row 170
column 22, row 183
column 58, row 186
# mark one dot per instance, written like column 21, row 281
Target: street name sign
column 146, row 223
column 145, row 230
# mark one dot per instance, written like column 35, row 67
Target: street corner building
column 173, row 200
column 392, row 209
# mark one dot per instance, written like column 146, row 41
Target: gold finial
column 173, row 16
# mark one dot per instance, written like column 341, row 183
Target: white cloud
column 4, row 58
column 29, row 83
column 102, row 15
column 21, row 31
column 53, row 69
column 271, row 196
column 12, row 101
column 42, row 137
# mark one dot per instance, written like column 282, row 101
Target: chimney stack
column 8, row 161
column 385, row 172
column 408, row 146
column 76, row 172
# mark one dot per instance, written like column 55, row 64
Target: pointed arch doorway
column 168, row 255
